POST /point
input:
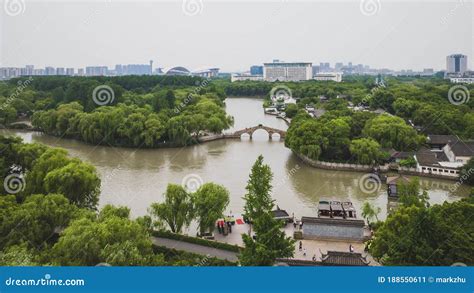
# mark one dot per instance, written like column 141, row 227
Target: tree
column 210, row 201
column 291, row 110
column 337, row 133
column 437, row 236
column 258, row 197
column 34, row 221
column 392, row 132
column 109, row 238
column 305, row 137
column 467, row 172
column 18, row 255
column 78, row 181
column 50, row 160
column 369, row 212
column 366, row 150
column 176, row 210
column 270, row 241
column 410, row 194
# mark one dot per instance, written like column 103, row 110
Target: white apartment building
column 282, row 71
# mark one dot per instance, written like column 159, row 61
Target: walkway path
column 195, row 248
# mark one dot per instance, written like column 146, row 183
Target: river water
column 138, row 177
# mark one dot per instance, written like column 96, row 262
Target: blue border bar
column 240, row 279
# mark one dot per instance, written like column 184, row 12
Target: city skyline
column 252, row 33
column 149, row 69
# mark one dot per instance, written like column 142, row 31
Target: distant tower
column 456, row 63
column 151, row 67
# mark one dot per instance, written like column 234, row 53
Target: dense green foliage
column 177, row 210
column 270, row 241
column 421, row 101
column 417, row 234
column 180, row 207
column 340, row 138
column 44, row 170
column 210, row 201
column 439, row 235
column 53, row 220
column 147, row 111
column 467, row 173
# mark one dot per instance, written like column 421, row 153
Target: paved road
column 195, row 248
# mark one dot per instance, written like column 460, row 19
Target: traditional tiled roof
column 463, row 148
column 441, row 139
column 397, row 179
column 339, row 258
column 280, row 213
column 425, row 157
column 401, row 155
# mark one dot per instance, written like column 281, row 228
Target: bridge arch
column 251, row 130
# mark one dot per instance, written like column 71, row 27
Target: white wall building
column 328, row 76
column 282, row 71
column 462, row 79
column 236, row 77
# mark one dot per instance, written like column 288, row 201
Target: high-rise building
column 134, row 69
column 315, row 69
column 456, row 63
column 256, row 70
column 60, row 71
column 324, row 67
column 50, row 71
column 96, row 70
column 282, row 71
column 70, row 71
column 338, row 66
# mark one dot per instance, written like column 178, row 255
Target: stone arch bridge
column 251, row 130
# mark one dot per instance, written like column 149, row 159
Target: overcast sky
column 233, row 35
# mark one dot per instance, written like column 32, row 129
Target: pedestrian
column 304, row 251
column 301, row 245
column 351, row 248
column 314, row 257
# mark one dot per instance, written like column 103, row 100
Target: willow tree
column 177, row 209
column 210, row 201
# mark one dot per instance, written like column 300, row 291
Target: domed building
column 179, row 70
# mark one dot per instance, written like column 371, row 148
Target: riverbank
column 368, row 168
column 136, row 177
